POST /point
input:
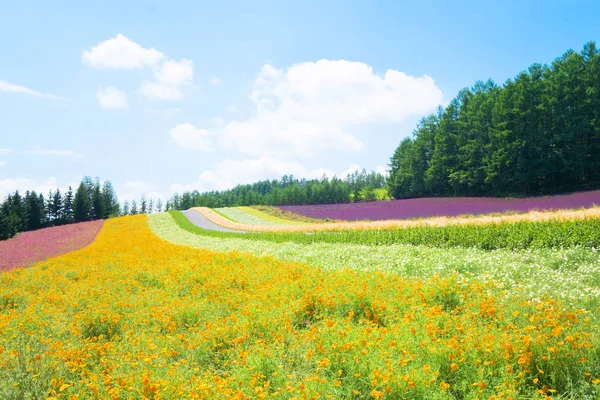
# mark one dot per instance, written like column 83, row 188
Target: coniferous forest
column 31, row 211
column 539, row 133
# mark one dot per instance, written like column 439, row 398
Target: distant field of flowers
column 31, row 247
column 134, row 316
column 239, row 219
column 242, row 216
column 433, row 207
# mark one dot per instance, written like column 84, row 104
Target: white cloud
column 214, row 80
column 53, row 153
column 111, row 98
column 10, row 185
column 169, row 78
column 190, row 137
column 350, row 170
column 7, row 87
column 2, row 164
column 383, row 170
column 229, row 173
column 232, row 108
column 120, row 52
column 5, row 151
column 159, row 91
column 311, row 107
column 133, row 190
column 175, row 73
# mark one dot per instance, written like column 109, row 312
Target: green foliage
column 33, row 211
column 537, row 134
column 358, row 186
column 520, row 235
column 82, row 209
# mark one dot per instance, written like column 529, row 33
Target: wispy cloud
column 4, row 151
column 53, row 153
column 2, row 164
column 7, row 87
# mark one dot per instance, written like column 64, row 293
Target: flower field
column 134, row 316
column 242, row 216
column 239, row 219
column 448, row 207
column 31, row 247
column 556, row 229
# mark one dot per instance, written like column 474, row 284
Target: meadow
column 134, row 316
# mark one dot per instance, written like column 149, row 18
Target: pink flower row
column 29, row 248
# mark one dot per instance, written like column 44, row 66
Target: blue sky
column 177, row 95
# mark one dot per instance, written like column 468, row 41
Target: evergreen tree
column 56, row 207
column 34, row 211
column 126, row 208
column 67, row 209
column 99, row 209
column 82, row 209
column 150, row 206
column 49, row 220
column 110, row 200
column 144, row 205
column 134, row 209
column 159, row 205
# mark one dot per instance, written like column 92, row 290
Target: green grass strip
column 519, row 235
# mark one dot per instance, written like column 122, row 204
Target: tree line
column 31, row 211
column 355, row 187
column 539, row 133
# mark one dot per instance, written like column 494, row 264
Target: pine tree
column 126, row 208
column 82, row 209
column 34, row 211
column 56, row 207
column 150, row 206
column 98, row 206
column 144, row 205
column 49, row 217
column 159, row 205
column 134, row 209
column 67, row 208
column 110, row 200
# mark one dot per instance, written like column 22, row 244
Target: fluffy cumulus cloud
column 312, row 107
column 188, row 136
column 7, row 87
column 120, row 53
column 169, row 76
column 229, row 173
column 168, row 80
column 133, row 190
column 111, row 98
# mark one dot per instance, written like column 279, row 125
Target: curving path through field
column 202, row 222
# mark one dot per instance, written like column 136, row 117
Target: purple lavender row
column 447, row 206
